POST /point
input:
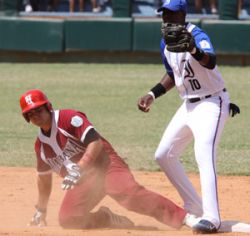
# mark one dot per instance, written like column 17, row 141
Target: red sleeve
column 75, row 123
column 41, row 165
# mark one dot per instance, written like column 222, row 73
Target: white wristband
column 151, row 94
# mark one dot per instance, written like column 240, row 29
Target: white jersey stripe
column 190, row 27
column 43, row 156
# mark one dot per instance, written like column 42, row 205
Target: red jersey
column 66, row 141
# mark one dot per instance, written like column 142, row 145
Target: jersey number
column 195, row 85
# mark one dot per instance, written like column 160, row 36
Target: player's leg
column 81, row 5
column 198, row 6
column 174, row 140
column 207, row 123
column 77, row 203
column 71, row 5
column 121, row 186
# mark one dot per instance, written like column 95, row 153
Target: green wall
column 229, row 36
column 98, row 35
column 31, row 35
column 111, row 35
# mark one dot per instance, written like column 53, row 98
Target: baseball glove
column 177, row 38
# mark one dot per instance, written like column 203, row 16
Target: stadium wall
column 112, row 37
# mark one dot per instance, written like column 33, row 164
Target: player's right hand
column 145, row 102
column 39, row 218
column 73, row 176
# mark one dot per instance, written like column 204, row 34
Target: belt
column 193, row 100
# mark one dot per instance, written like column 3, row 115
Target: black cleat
column 204, row 227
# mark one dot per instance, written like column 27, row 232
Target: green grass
column 108, row 95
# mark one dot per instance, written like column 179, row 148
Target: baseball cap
column 174, row 5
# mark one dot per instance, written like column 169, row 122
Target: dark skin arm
column 145, row 102
column 208, row 60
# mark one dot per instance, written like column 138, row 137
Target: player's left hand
column 177, row 38
column 39, row 218
column 233, row 109
column 73, row 176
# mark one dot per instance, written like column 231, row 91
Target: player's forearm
column 167, row 82
column 205, row 59
column 44, row 184
column 93, row 151
column 161, row 88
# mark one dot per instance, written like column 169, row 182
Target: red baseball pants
column 117, row 182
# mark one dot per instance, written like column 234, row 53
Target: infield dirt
column 18, row 197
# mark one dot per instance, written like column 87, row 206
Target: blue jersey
column 191, row 78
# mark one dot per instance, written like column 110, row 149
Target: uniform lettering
column 71, row 149
column 189, row 72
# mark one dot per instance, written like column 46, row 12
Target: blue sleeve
column 164, row 60
column 202, row 40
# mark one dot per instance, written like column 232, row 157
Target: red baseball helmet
column 32, row 99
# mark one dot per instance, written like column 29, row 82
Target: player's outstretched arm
column 167, row 83
column 44, row 183
column 77, row 171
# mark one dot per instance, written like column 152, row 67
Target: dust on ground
column 19, row 194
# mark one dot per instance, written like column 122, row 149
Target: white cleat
column 191, row 220
column 117, row 221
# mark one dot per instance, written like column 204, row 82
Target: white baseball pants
column 202, row 121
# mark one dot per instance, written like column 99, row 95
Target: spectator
column 242, row 13
column 72, row 5
column 31, row 5
column 200, row 9
column 103, row 3
column 52, row 5
column 95, row 5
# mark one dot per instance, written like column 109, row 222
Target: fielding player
column 69, row 145
column 190, row 63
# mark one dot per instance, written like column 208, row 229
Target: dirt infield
column 18, row 196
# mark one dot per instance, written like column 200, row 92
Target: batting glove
column 233, row 109
column 73, row 176
column 39, row 218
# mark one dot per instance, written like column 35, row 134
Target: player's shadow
column 144, row 228
column 226, row 226
column 135, row 227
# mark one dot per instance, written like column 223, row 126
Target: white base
column 234, row 226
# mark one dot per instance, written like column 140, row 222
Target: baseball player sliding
column 69, row 145
column 190, row 63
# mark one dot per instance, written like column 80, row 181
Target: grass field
column 108, row 95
